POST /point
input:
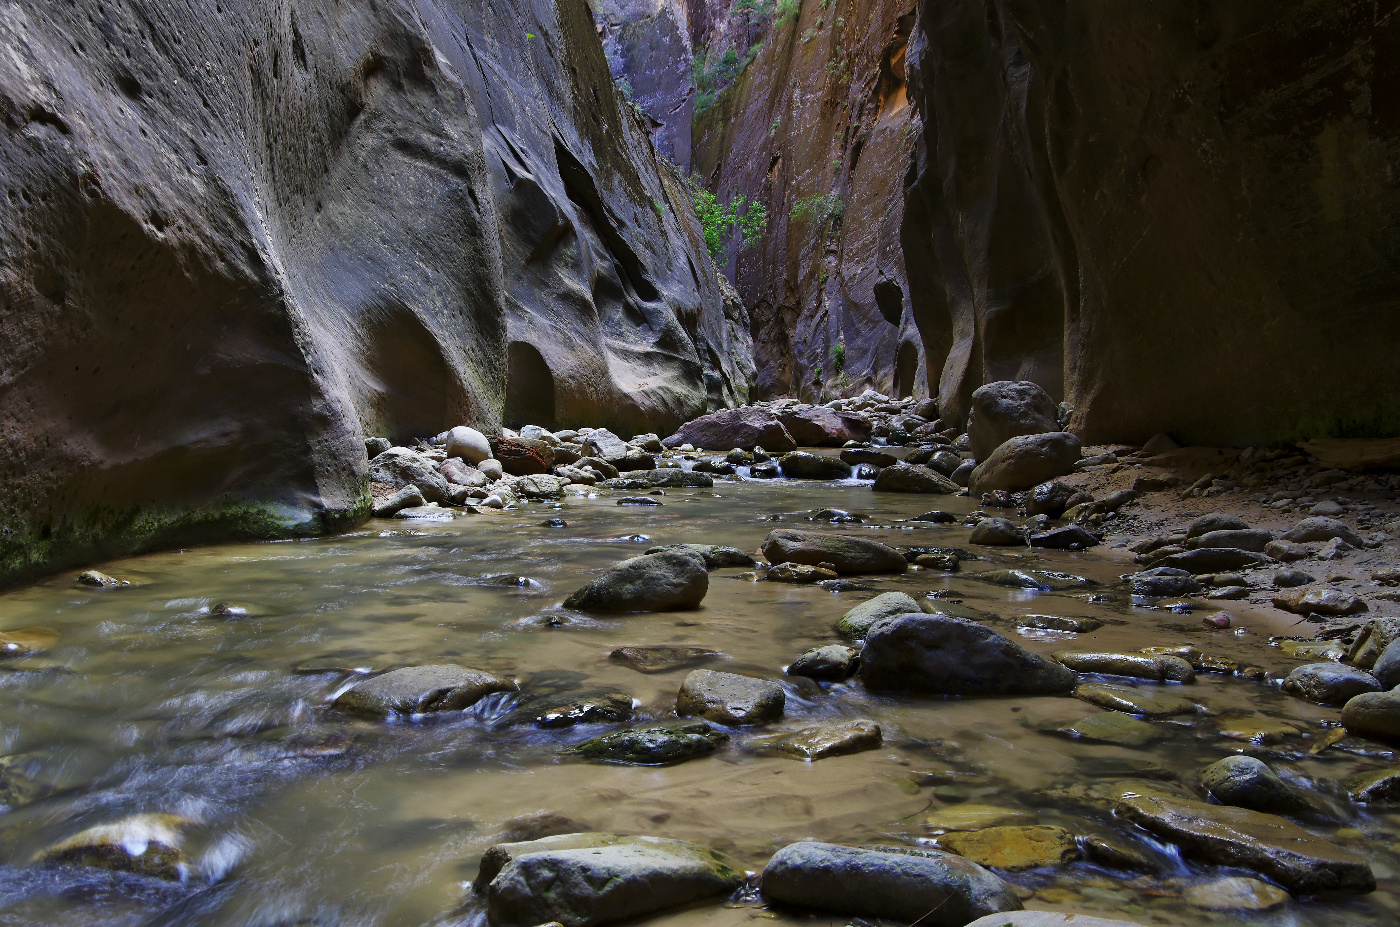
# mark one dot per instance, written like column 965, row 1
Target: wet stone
column 1270, row 845
column 1320, row 602
column 1329, row 683
column 1374, row 787
column 1014, row 848
column 676, row 580
column 856, row 623
column 730, row 699
column 832, row 663
column 143, row 844
column 818, row 743
column 663, row 659
column 845, row 553
column 1256, row 729
column 716, row 556
column 943, row 655
column 1136, row 701
column 101, row 580
column 1373, row 714
column 416, row 690
column 798, row 574
column 936, row 889
column 1235, row 893
column 638, row 500
column 1247, row 782
column 21, row 642
column 653, row 745
column 1153, row 667
column 1058, row 623
column 996, row 532
column 1040, row 580
column 569, row 709
column 1113, row 727
column 936, row 517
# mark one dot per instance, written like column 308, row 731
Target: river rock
column 1136, row 701
column 1215, row 521
column 1329, row 683
column 856, row 623
column 414, row 690
column 819, row 743
column 1047, row 919
column 944, row 462
column 1154, row 667
column 1291, row 579
column 906, row 477
column 519, row 457
column 461, row 474
column 1213, row 560
column 730, row 699
column 1014, row 848
column 1007, row 409
column 605, row 880
column 1235, row 893
column 1247, row 782
column 406, row 497
column 602, row 443
column 799, row 574
column 942, row 655
column 1064, row 537
column 1376, row 635
column 1050, row 498
column 746, row 427
column 866, row 455
column 1265, row 843
column 654, row 745
column 679, row 479
column 1323, row 529
column 572, row 708
column 1022, row 462
column 716, row 556
column 804, row 466
column 1374, row 787
column 100, row 580
column 936, row 889
column 1160, row 582
column 466, row 443
column 23, row 642
column 832, row 663
column 1114, row 727
column 143, row 844
column 1059, row 623
column 1320, row 602
column 1373, row 714
column 399, row 467
column 1387, row 666
column 675, row 580
column 848, row 554
column 662, row 659
column 821, row 426
column 996, row 532
column 1288, row 552
column 1251, row 539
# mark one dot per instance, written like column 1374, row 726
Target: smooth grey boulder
column 801, row 465
column 1025, row 461
column 1064, row 537
column 848, row 554
column 1373, row 714
column 1329, row 683
column 913, row 478
column 1007, row 409
column 832, row 663
column 399, row 467
column 941, row 655
column 462, row 474
column 746, row 427
column 1214, row 560
column 1251, row 539
column 421, row 690
column 996, row 532
column 730, row 699
column 679, row 479
column 856, row 623
column 1387, row 668
column 933, row 888
column 1321, row 528
column 587, row 880
column 1215, row 521
column 716, row 556
column 1247, row 782
column 1160, row 582
column 674, row 580
column 467, row 443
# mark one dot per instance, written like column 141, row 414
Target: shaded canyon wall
column 241, row 236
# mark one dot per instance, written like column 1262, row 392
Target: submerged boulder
column 906, row 477
column 856, row 623
column 653, row 745
column 848, row 554
column 730, row 699
column 143, row 844
column 414, row 690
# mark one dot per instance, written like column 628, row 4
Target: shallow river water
column 149, row 704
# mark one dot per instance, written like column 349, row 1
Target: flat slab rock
column 585, row 880
column 942, row 655
column 936, row 889
column 1270, row 845
column 1014, row 848
column 819, row 743
column 847, row 554
column 663, row 659
column 653, row 745
column 416, row 690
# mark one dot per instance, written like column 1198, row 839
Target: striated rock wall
column 819, row 127
column 1177, row 216
column 240, row 236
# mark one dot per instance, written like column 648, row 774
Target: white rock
column 468, row 444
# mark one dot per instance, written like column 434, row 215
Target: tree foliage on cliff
column 719, row 220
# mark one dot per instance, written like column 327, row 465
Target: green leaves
column 719, row 220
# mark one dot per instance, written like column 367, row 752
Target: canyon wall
column 240, row 236
column 1179, row 217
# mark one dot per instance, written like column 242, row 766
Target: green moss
column 103, row 533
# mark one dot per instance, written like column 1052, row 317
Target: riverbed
column 150, row 702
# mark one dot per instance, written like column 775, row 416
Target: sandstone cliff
column 1179, row 216
column 240, row 236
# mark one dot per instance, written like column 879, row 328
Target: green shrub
column 838, row 359
column 720, row 219
column 823, row 207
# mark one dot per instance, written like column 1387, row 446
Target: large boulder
column 520, row 457
column 587, row 880
column 915, row 478
column 819, row 426
column 1277, row 848
column 746, row 427
column 932, row 888
column 730, row 699
column 1007, row 409
column 467, row 443
column 804, row 466
column 942, row 655
column 856, row 623
column 1373, row 714
column 399, row 467
column 673, row 580
column 1329, row 683
column 1321, row 528
column 1022, row 462
column 1247, row 782
column 848, row 554
column 414, row 690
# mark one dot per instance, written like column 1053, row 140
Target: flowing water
column 149, row 704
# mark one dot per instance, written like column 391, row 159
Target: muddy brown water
column 149, row 704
